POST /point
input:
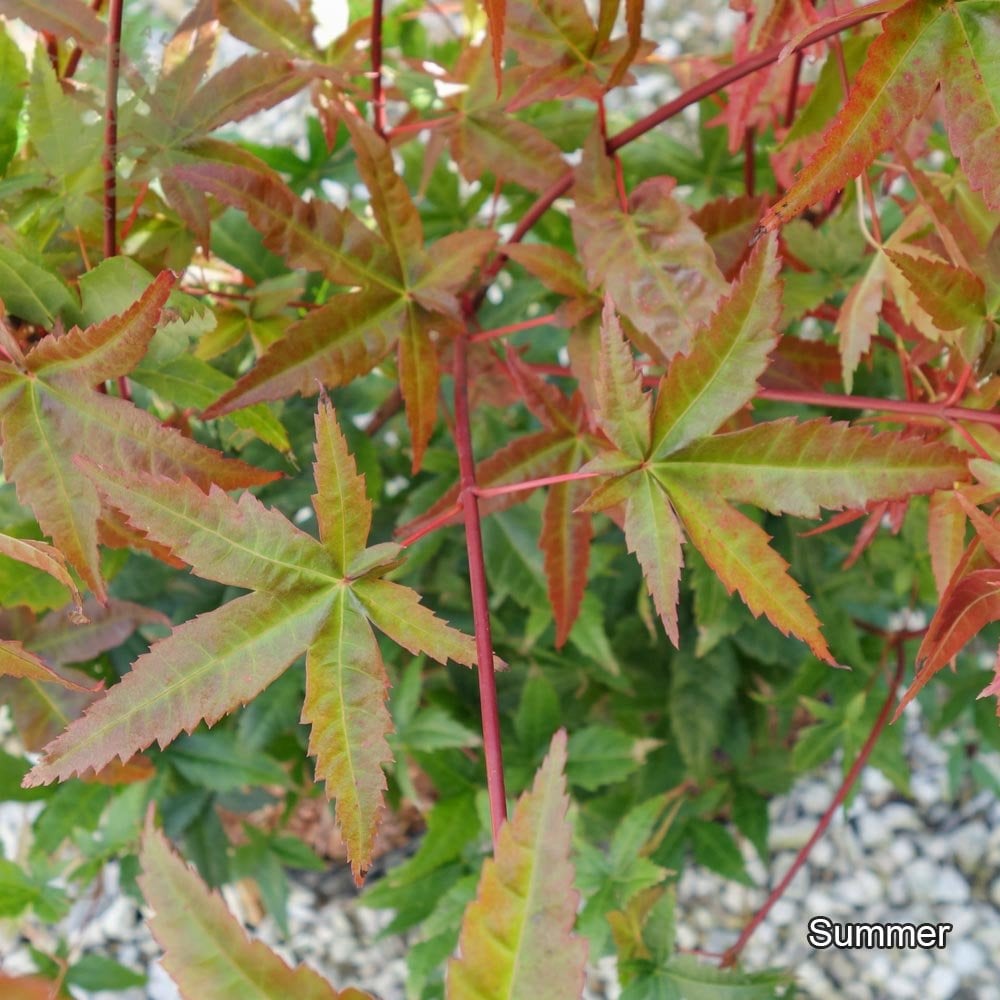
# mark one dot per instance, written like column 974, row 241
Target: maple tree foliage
column 593, row 374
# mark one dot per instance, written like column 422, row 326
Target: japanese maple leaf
column 50, row 412
column 307, row 595
column 404, row 298
column 562, row 53
column 652, row 259
column 924, row 43
column 484, row 137
column 676, row 476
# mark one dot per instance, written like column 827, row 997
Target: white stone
column 823, row 854
column 966, row 957
column 814, row 798
column 902, row 852
column 873, row 831
column 876, row 786
column 160, row 986
column 900, row 816
column 914, row 965
column 860, row 890
column 877, row 968
column 783, row 913
column 793, row 836
column 942, row 983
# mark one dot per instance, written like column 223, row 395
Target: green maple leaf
column 319, row 597
column 50, row 413
column 404, row 297
column 676, row 476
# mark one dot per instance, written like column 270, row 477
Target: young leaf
column 51, row 413
column 302, row 600
column 857, row 321
column 652, row 260
column 729, row 355
column 952, row 296
column 208, row 954
column 922, row 43
column 517, row 938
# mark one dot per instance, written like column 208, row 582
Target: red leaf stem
column 109, row 159
column 480, row 596
column 908, row 407
column 531, row 484
column 378, row 98
column 502, row 331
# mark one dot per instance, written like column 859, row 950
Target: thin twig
column 378, row 98
column 502, row 331
column 480, row 595
column 110, row 155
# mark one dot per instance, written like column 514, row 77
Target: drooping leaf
column 565, row 544
column 41, row 556
column 945, row 535
column 51, row 413
column 970, row 82
column 653, row 260
column 207, row 951
column 346, row 685
column 857, row 322
column 496, row 15
column 300, row 602
column 720, row 374
column 517, row 938
column 970, row 603
column 922, row 43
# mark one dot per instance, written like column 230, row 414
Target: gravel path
column 932, row 859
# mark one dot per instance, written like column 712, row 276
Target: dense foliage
column 475, row 448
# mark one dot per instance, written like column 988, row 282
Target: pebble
column 942, row 983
